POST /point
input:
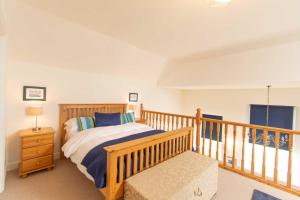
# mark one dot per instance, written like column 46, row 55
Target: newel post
column 198, row 126
column 142, row 112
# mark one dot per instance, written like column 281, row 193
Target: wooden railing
column 232, row 150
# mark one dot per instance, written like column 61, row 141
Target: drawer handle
column 38, row 152
column 198, row 192
column 38, row 140
column 37, row 163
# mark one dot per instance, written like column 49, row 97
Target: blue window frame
column 207, row 131
column 279, row 117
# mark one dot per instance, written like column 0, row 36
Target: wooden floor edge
column 261, row 180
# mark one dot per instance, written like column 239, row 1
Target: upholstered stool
column 186, row 176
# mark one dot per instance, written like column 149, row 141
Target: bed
column 109, row 155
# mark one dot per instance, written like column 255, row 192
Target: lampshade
column 34, row 110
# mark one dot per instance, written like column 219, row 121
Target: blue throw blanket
column 95, row 160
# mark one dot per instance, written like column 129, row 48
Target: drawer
column 38, row 151
column 37, row 140
column 36, row 163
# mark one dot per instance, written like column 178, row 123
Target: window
column 207, row 131
column 279, row 117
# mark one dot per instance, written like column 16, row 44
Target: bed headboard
column 68, row 111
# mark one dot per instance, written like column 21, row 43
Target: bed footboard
column 127, row 159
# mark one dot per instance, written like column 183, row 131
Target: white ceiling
column 175, row 28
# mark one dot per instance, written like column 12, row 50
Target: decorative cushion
column 107, row 119
column 85, row 123
column 130, row 117
column 124, row 118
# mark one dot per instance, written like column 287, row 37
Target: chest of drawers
column 36, row 150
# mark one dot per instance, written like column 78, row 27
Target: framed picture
column 133, row 97
column 32, row 93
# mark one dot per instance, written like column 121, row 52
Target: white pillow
column 71, row 127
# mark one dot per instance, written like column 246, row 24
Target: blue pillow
column 107, row 119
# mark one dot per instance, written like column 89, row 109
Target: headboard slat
column 68, row 111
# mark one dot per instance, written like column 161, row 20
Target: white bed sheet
column 77, row 147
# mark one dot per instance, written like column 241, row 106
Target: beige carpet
column 64, row 182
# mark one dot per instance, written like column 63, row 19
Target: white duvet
column 82, row 142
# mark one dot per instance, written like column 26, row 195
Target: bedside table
column 36, row 150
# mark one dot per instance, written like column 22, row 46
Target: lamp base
column 37, row 129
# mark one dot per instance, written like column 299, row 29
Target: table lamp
column 35, row 111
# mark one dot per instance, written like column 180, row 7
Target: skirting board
column 15, row 165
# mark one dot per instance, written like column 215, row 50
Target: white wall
column 2, row 111
column 67, row 86
column 3, row 50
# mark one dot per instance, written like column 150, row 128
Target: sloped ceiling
column 172, row 28
column 41, row 38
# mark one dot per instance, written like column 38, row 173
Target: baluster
column 156, row 120
column 161, row 152
column 234, row 144
column 172, row 121
column 147, row 157
column 225, row 146
column 218, row 140
column 157, row 154
column 160, row 121
column 121, row 168
column 289, row 174
column 211, row 127
column 141, row 160
column 265, row 137
column 177, row 122
column 181, row 122
column 203, row 135
column 148, row 119
column 276, row 156
column 152, row 119
column 187, row 122
column 166, row 150
column 134, row 162
column 152, row 156
column 164, row 122
column 253, row 150
column 243, row 150
column 128, row 165
column 174, row 147
column 168, row 123
column 180, row 144
column 170, row 149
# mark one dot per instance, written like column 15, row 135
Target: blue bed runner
column 95, row 160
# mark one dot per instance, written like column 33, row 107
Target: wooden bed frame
column 177, row 139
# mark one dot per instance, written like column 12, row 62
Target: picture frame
column 34, row 93
column 133, row 97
